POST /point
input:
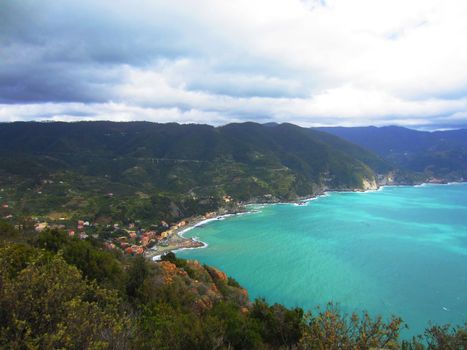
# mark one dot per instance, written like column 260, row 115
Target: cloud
column 309, row 62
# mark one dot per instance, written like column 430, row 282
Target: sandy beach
column 176, row 241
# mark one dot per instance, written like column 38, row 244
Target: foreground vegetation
column 61, row 292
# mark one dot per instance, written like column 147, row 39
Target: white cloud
column 348, row 62
column 106, row 111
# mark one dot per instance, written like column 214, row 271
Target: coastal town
column 131, row 238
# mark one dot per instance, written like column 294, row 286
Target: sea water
column 398, row 251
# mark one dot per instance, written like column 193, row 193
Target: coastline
column 233, row 242
column 177, row 241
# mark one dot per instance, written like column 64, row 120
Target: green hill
column 171, row 170
column 440, row 154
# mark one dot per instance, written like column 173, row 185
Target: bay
column 397, row 251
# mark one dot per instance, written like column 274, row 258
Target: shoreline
column 177, row 241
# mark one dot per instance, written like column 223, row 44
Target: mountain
column 440, row 154
column 171, row 170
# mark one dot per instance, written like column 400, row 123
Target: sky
column 308, row 62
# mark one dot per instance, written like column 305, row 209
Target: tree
column 329, row 329
column 443, row 337
column 279, row 326
column 7, row 230
column 47, row 304
column 94, row 263
column 136, row 275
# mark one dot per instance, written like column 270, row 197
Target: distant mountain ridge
column 439, row 153
column 187, row 165
column 75, row 145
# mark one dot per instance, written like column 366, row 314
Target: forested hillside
column 441, row 154
column 148, row 171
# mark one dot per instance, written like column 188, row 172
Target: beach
column 177, row 242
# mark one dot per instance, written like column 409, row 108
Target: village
column 130, row 238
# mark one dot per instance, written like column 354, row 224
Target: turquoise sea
column 399, row 250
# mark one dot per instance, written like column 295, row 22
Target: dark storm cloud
column 84, row 31
column 57, row 82
column 61, row 51
column 308, row 62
